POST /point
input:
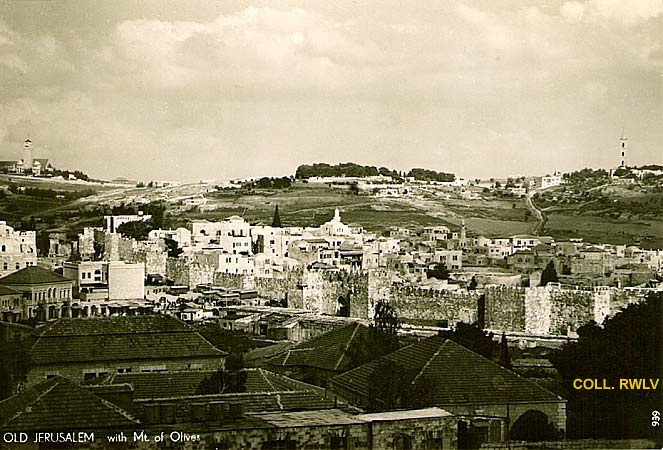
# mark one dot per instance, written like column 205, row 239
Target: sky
column 193, row 90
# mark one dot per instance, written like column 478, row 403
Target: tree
column 381, row 338
column 231, row 379
column 439, row 272
column 549, row 274
column 354, row 188
column 473, row 284
column 395, row 386
column 98, row 250
column 474, row 338
column 173, row 248
column 14, row 366
column 505, row 355
column 276, row 221
column 629, row 345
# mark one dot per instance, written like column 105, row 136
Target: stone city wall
column 505, row 308
column 435, row 304
column 185, row 273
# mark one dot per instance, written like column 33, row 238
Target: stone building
column 85, row 348
column 491, row 398
column 92, row 414
column 318, row 359
column 45, row 294
column 11, row 304
column 114, row 280
column 18, row 249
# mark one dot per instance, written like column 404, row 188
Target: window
column 18, row 266
column 5, row 266
column 124, row 370
column 52, row 374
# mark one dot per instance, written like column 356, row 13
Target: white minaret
column 623, row 151
column 27, row 146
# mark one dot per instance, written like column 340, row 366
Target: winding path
column 541, row 217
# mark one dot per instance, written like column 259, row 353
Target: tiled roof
column 116, row 325
column 325, row 417
column 116, row 339
column 5, row 290
column 181, row 384
column 327, row 351
column 459, row 375
column 259, row 354
column 59, row 404
column 280, row 401
column 159, row 384
column 32, row 275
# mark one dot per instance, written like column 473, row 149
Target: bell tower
column 27, row 146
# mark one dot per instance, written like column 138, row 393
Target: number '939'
column 655, row 418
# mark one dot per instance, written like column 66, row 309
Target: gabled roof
column 59, row 404
column 328, row 351
column 458, row 376
column 32, row 275
column 43, row 161
column 119, row 338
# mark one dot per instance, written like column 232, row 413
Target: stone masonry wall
column 570, row 309
column 431, row 304
column 505, row 308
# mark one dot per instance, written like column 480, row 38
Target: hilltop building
column 623, row 151
column 27, row 164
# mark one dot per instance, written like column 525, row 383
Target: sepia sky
column 194, row 90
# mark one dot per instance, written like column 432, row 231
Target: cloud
column 244, row 92
column 263, row 46
column 628, row 13
column 572, row 11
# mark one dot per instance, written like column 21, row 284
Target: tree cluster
column 348, row 169
column 269, row 183
column 430, row 175
column 439, row 272
column 629, row 345
column 49, row 193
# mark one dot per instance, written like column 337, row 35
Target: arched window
column 4, row 248
column 18, row 266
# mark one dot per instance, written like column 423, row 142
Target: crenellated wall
column 543, row 310
column 435, row 304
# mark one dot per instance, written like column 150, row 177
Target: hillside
column 602, row 209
